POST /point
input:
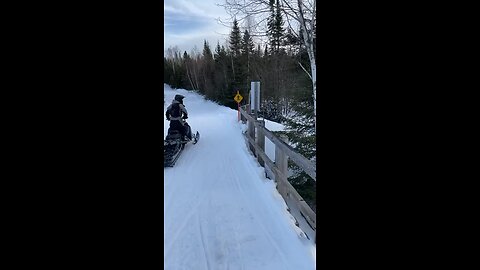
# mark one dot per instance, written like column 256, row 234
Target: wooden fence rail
column 279, row 167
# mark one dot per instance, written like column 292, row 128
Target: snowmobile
column 174, row 145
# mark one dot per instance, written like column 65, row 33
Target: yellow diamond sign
column 238, row 97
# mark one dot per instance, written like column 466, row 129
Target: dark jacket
column 176, row 112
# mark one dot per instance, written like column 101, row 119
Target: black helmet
column 179, row 98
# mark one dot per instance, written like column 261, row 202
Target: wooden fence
column 256, row 133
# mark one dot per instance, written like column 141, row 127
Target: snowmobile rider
column 176, row 114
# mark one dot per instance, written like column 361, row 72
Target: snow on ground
column 273, row 126
column 220, row 212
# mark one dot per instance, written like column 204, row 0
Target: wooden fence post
column 247, row 108
column 261, row 141
column 281, row 162
column 251, row 134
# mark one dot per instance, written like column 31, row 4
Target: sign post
column 255, row 98
column 238, row 98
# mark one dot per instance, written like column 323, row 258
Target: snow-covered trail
column 220, row 211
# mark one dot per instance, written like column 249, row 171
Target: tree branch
column 305, row 70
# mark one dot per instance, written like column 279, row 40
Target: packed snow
column 220, row 212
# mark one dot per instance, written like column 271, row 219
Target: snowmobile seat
column 173, row 135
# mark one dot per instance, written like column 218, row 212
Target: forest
column 279, row 63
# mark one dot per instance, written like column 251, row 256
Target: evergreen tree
column 217, row 53
column 278, row 27
column 236, row 67
column 301, row 134
column 248, row 50
column 208, row 71
column 248, row 47
column 207, row 53
column 235, row 39
column 291, row 42
column 222, row 75
column 275, row 31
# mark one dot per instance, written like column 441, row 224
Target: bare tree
column 172, row 53
column 299, row 14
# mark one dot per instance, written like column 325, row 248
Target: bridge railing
column 255, row 138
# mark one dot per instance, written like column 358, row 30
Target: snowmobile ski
column 173, row 147
column 196, row 138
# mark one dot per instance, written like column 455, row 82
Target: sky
column 220, row 211
column 190, row 22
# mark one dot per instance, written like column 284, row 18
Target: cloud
column 186, row 42
column 195, row 8
column 187, row 23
